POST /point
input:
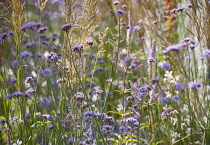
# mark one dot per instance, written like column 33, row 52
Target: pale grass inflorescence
column 92, row 72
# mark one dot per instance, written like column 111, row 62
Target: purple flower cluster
column 25, row 54
column 143, row 91
column 120, row 12
column 166, row 66
column 66, row 27
column 173, row 11
column 107, row 129
column 194, row 85
column 3, row 36
column 30, row 25
column 78, row 48
column 17, row 94
column 174, row 48
column 31, row 44
column 91, row 114
column 90, row 42
column 179, row 86
column 46, row 72
column 41, row 30
column 29, row 79
column 116, row 2
column 176, row 97
column 79, row 96
column 154, row 80
column 53, row 56
column 206, row 52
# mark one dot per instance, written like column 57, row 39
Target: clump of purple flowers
column 194, row 85
column 174, row 48
column 107, row 129
column 206, row 52
column 166, row 66
column 25, row 54
column 66, row 27
column 179, row 86
column 120, row 12
column 30, row 25
column 29, row 79
column 90, row 42
column 53, row 56
column 79, row 96
column 41, row 30
column 78, row 48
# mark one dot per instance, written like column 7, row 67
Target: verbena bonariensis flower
column 79, row 96
column 70, row 140
column 124, row 6
column 41, row 30
column 15, row 64
column 120, row 12
column 8, row 97
column 165, row 66
column 66, row 27
column 14, row 81
column 90, row 42
column 179, row 86
column 192, row 47
column 154, row 80
column 30, row 91
column 116, row 2
column 51, row 126
column 3, row 36
column 106, row 129
column 25, row 54
column 53, row 56
column 189, row 5
column 137, row 28
column 78, row 48
column 30, row 25
column 164, row 100
column 31, row 44
column 29, row 79
column 194, row 85
column 3, row 120
column 46, row 72
column 109, row 119
column 206, row 52
column 18, row 94
column 176, row 97
column 174, row 48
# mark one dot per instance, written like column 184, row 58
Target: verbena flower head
column 166, row 66
column 66, row 27
column 29, row 79
column 78, row 48
column 79, row 96
column 137, row 28
column 155, row 22
column 206, row 52
column 174, row 48
column 90, row 42
column 116, row 2
column 30, row 25
column 3, row 36
column 189, row 5
column 25, row 54
column 46, row 72
column 154, row 80
column 41, row 30
column 164, row 100
column 8, row 97
column 53, row 56
column 70, row 140
column 15, row 64
column 179, row 86
column 3, row 120
column 120, row 12
column 176, row 97
column 192, row 47
column 106, row 129
column 14, row 81
column 18, row 94
column 124, row 6
column 194, row 85
column 30, row 91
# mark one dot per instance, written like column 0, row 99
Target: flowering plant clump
column 104, row 72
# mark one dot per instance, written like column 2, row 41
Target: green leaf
column 134, row 140
column 1, row 78
column 159, row 142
